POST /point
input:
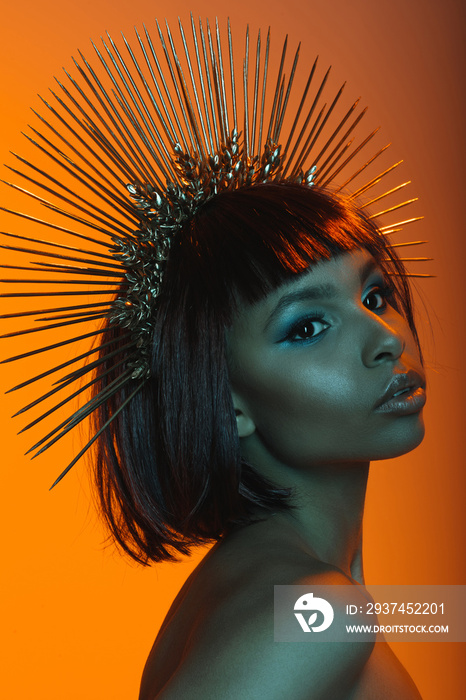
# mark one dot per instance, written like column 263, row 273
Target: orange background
column 78, row 620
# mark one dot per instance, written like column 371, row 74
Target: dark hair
column 169, row 471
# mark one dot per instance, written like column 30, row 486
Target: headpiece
column 146, row 148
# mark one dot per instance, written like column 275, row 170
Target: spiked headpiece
column 146, row 147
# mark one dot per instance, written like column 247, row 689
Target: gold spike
column 400, row 223
column 362, row 168
column 349, row 158
column 339, row 155
column 392, row 230
column 411, row 259
column 385, row 194
column 403, row 245
column 394, row 208
column 408, row 274
column 374, row 181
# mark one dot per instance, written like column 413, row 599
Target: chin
column 409, row 436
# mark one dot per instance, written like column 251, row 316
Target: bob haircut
column 169, row 471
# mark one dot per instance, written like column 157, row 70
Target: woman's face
column 315, row 365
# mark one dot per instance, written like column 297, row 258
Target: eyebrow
column 318, row 291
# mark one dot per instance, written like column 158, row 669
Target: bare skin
column 309, row 366
column 217, row 640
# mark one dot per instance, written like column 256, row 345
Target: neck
column 327, row 515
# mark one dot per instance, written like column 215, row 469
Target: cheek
column 309, row 405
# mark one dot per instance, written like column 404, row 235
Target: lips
column 404, row 394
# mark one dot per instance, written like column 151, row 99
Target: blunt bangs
column 250, row 241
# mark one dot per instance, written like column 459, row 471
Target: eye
column 377, row 298
column 308, row 329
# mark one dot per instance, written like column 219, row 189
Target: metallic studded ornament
column 127, row 152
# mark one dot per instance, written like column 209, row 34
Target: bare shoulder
column 221, row 631
column 233, row 654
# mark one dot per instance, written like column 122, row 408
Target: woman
column 291, row 329
column 259, row 352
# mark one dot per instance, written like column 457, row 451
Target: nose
column 385, row 339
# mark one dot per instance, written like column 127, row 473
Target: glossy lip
column 413, row 398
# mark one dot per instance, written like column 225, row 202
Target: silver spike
column 209, row 141
column 204, row 141
column 321, row 127
column 277, row 89
column 349, row 158
column 209, row 88
column 175, row 84
column 191, row 123
column 281, row 112
column 296, row 119
column 264, row 86
column 304, row 128
column 232, row 78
